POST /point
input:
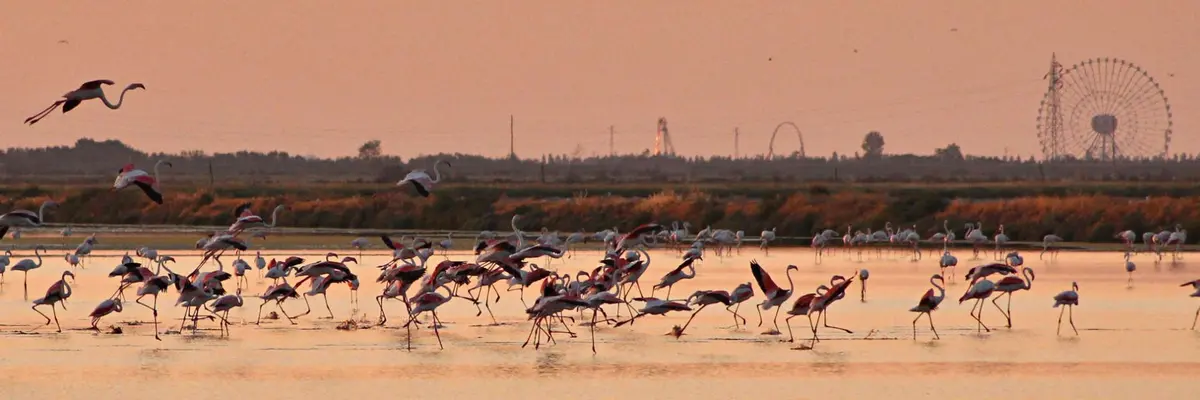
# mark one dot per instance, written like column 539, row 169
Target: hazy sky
column 321, row 77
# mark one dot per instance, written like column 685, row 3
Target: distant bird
column 765, row 238
column 87, row 91
column 929, row 302
column 27, row 265
column 948, row 261
column 1048, row 242
column 5, row 259
column 128, row 175
column 421, row 181
column 1067, row 299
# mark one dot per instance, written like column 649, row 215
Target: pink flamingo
column 929, row 302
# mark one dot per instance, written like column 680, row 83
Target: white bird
column 421, row 181
column 765, row 239
column 259, row 262
column 87, row 91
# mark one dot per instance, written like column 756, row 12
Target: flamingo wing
column 148, row 188
column 1010, row 280
column 70, row 104
column 387, row 241
column 92, row 85
column 927, row 300
column 764, row 280
column 416, row 184
column 3, row 231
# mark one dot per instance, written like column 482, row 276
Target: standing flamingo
column 87, row 91
column 58, row 292
column 27, row 265
column 420, row 179
column 1007, row 286
column 765, row 239
column 428, row 302
column 775, row 295
column 981, row 289
column 1048, row 242
column 1129, row 267
column 863, row 274
column 106, row 307
column 739, row 295
column 127, row 175
column 929, row 302
column 1069, row 299
column 948, row 261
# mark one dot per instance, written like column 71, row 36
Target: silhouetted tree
column 872, row 145
column 371, row 149
column 950, row 153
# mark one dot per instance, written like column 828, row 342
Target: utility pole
column 736, row 136
column 512, row 150
column 611, row 152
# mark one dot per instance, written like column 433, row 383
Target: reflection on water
column 1132, row 342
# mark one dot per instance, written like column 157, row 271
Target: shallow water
column 1132, row 341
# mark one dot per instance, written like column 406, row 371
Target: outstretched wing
column 241, row 208
column 150, row 191
column 91, row 85
column 70, row 104
column 387, row 241
column 416, row 184
column 764, row 281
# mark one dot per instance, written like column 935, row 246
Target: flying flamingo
column 127, row 175
column 420, row 180
column 58, row 293
column 1069, row 299
column 929, row 303
column 23, row 218
column 106, row 307
column 1196, row 286
column 248, row 219
column 87, row 91
column 981, row 289
column 775, row 295
column 1010, row 284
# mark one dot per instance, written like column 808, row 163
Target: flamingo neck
column 119, row 101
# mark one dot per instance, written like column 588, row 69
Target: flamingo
column 27, row 265
column 802, row 306
column 58, row 293
column 948, row 261
column 1069, row 299
column 929, row 302
column 428, row 302
column 359, row 243
column 446, row 244
column 127, row 175
column 422, row 183
column 655, row 306
column 863, row 274
column 5, row 259
column 738, row 296
column 705, row 298
column 23, row 218
column 775, row 295
column 106, row 307
column 1127, row 237
column 220, row 308
column 1129, row 267
column 1047, row 242
column 248, row 220
column 87, row 91
column 981, row 289
column 1007, row 286
column 260, row 263
column 1195, row 286
column 1000, row 239
column 976, row 237
column 671, row 278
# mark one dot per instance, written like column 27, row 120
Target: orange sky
column 321, row 77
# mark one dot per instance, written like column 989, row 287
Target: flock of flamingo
column 614, row 283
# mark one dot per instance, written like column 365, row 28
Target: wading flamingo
column 929, row 302
column 1068, row 299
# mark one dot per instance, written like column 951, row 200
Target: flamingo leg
column 760, row 318
column 788, row 321
column 1001, row 309
column 279, row 303
column 532, row 329
column 54, row 311
column 863, row 294
column 260, row 307
column 1071, row 318
column 326, row 297
column 42, row 114
column 1060, row 314
column 929, row 315
column 1197, row 317
column 914, row 324
column 435, row 330
column 689, row 321
column 985, row 327
column 43, row 314
column 775, row 319
column 735, row 314
column 307, row 307
column 825, row 315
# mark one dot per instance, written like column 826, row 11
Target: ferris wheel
column 1103, row 108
